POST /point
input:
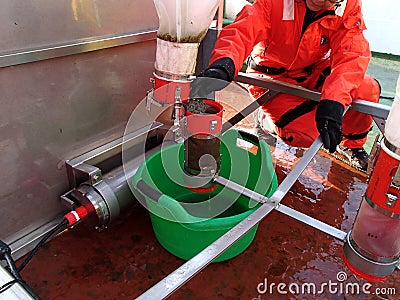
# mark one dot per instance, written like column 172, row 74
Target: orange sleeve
column 350, row 55
column 237, row 40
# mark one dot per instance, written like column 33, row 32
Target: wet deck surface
column 125, row 260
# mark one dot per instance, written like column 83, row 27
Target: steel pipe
column 377, row 110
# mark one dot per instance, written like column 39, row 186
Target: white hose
column 392, row 130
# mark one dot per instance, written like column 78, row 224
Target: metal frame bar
column 81, row 168
column 26, row 243
column 376, row 110
column 278, row 86
column 12, row 58
column 336, row 233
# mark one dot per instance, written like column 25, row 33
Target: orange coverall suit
column 328, row 54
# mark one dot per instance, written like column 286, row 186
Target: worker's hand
column 216, row 77
column 329, row 117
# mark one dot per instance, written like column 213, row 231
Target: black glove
column 216, row 77
column 329, row 117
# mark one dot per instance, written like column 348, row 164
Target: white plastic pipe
column 185, row 20
column 176, row 58
column 233, row 7
column 392, row 132
column 182, row 26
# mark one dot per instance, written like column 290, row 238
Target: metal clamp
column 213, row 125
column 374, row 154
column 393, row 191
column 177, row 116
column 391, row 147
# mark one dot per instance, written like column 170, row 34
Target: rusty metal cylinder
column 203, row 126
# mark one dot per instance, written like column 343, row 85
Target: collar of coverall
column 288, row 9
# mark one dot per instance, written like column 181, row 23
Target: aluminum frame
column 79, row 46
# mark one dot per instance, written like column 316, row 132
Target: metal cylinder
column 109, row 198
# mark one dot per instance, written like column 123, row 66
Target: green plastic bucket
column 186, row 222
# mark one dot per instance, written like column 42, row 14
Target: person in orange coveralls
column 318, row 44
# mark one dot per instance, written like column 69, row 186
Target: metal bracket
column 177, row 116
column 84, row 172
column 151, row 100
column 374, row 154
column 391, row 200
column 393, row 191
column 82, row 168
column 380, row 123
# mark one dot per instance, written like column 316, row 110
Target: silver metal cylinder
column 109, row 198
column 374, row 266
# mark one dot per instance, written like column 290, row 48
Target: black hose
column 5, row 252
column 13, row 268
column 387, row 97
column 18, row 279
column 60, row 227
column 7, row 285
column 29, row 290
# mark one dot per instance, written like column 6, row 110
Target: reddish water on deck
column 125, row 260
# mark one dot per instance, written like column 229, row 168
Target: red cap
column 361, row 274
column 75, row 215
